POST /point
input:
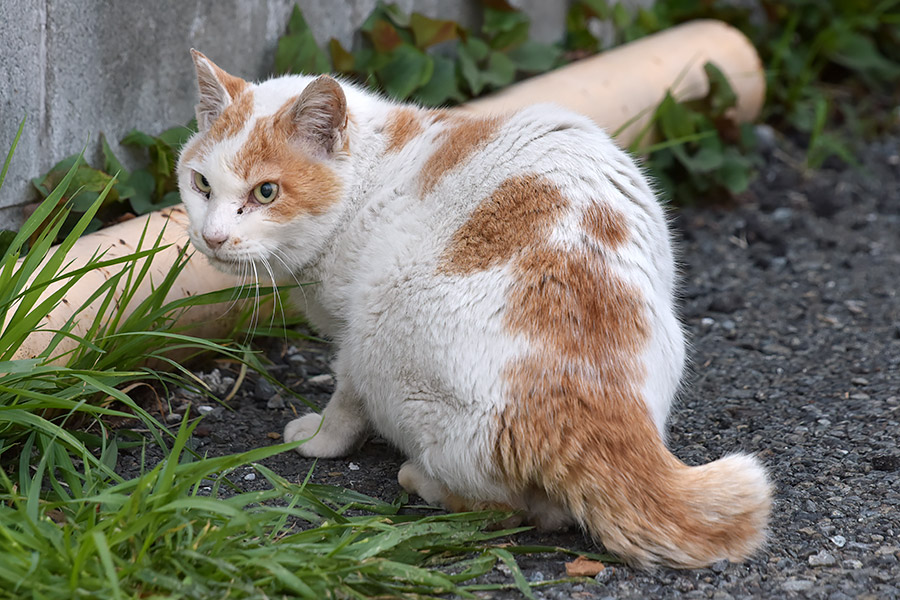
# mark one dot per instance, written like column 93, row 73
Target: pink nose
column 214, row 240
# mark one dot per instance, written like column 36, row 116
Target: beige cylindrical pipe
column 627, row 83
column 612, row 88
column 198, row 277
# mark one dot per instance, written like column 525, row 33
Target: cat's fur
column 500, row 293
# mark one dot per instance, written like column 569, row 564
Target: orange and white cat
column 500, row 293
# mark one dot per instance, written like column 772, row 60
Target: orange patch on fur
column 306, row 185
column 519, row 212
column 402, row 126
column 576, row 424
column 465, row 137
column 605, row 224
column 233, row 118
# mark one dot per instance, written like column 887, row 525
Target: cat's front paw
column 323, row 441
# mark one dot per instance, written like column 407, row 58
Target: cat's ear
column 217, row 90
column 319, row 116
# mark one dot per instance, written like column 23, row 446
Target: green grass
column 71, row 527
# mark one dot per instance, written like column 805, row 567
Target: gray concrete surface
column 77, row 68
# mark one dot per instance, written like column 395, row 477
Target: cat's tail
column 624, row 486
column 680, row 516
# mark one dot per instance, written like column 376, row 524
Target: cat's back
column 484, row 189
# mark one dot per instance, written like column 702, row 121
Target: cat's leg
column 338, row 430
column 415, row 481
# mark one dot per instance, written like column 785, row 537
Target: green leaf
column 721, row 96
column 734, row 174
column 858, row 52
column 49, row 182
column 501, row 70
column 111, row 164
column 500, row 21
column 342, row 60
column 298, row 52
column 177, row 137
column 142, row 186
column 407, row 70
column 428, row 32
column 139, row 139
column 442, row 87
column 470, row 53
column 384, row 36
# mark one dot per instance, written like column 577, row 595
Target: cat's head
column 264, row 177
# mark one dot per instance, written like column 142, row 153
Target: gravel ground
column 790, row 302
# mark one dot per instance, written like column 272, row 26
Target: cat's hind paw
column 323, row 441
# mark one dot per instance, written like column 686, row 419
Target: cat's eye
column 265, row 192
column 201, row 183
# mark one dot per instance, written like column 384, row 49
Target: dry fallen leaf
column 583, row 567
column 274, row 435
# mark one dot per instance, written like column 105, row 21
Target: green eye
column 201, row 183
column 265, row 192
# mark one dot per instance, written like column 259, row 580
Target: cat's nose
column 214, row 239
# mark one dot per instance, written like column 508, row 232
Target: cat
column 500, row 291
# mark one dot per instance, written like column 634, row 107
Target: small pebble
column 822, row 559
column 719, row 566
column 174, row 417
column 783, row 214
column 323, row 379
column 765, row 137
column 263, row 390
column 353, row 467
column 535, row 577
column 250, row 477
column 797, row 585
column 205, row 409
column 838, row 541
column 707, row 321
column 275, row 402
column 859, row 381
column 604, row 575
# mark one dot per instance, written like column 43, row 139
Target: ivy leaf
column 428, row 32
column 533, row 57
column 734, row 174
column 674, row 120
column 442, row 86
column 111, row 163
column 506, row 29
column 176, row 137
column 501, row 70
column 142, row 185
column 721, row 96
column 468, row 66
column 342, row 60
column 384, row 36
column 407, row 70
column 139, row 139
column 297, row 51
column 857, row 52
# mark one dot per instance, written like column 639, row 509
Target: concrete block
column 22, row 94
column 81, row 67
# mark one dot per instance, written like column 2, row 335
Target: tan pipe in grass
column 627, row 83
column 621, row 85
column 198, row 277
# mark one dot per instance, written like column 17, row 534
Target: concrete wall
column 76, row 68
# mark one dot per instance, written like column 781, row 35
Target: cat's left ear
column 217, row 90
column 318, row 118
